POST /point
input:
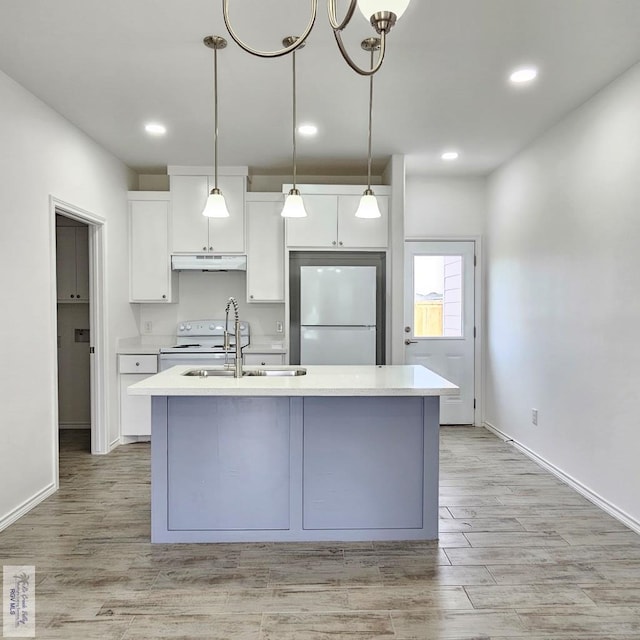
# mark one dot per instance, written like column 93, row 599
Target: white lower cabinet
column 135, row 411
column 256, row 359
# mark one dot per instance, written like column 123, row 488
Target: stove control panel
column 208, row 328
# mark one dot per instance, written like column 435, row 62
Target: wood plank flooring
column 520, row 556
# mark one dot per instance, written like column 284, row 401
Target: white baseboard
column 590, row 495
column 133, row 439
column 74, row 425
column 26, row 506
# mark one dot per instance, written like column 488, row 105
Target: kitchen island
column 341, row 453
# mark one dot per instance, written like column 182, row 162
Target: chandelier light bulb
column 294, row 205
column 216, row 206
column 371, row 7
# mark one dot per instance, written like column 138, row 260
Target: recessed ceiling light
column 523, row 75
column 155, row 129
column 450, row 155
column 307, row 129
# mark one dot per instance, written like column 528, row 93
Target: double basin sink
column 228, row 373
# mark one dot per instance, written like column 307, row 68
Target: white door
column 439, row 319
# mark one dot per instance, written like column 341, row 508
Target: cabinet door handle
column 77, row 295
column 340, row 243
column 333, row 243
column 164, row 297
column 210, row 248
column 137, row 364
column 72, row 295
column 251, row 296
column 204, row 248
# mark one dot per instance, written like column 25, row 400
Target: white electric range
column 201, row 343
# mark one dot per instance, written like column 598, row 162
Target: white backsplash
column 205, row 295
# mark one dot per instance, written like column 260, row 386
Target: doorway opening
column 77, row 243
column 73, row 333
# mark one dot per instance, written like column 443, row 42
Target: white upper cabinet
column 193, row 232
column 265, row 248
column 362, row 232
column 72, row 264
column 319, row 228
column 151, row 278
column 331, row 222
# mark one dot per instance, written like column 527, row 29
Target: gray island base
column 287, row 465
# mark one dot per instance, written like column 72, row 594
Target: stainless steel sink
column 275, row 372
column 228, row 373
column 205, row 373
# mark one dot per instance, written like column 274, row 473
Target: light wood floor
column 520, row 556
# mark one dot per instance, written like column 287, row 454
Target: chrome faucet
column 237, row 372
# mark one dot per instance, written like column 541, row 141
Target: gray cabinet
column 72, row 263
column 228, row 470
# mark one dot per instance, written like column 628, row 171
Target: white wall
column 443, row 207
column 205, row 295
column 44, row 155
column 563, row 296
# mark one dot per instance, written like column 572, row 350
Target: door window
column 437, row 296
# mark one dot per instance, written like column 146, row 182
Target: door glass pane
column 437, row 296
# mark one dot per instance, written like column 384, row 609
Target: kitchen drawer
column 252, row 359
column 139, row 363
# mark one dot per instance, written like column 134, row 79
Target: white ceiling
column 109, row 66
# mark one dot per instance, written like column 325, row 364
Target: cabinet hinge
column 474, row 403
column 475, row 261
column 474, row 333
column 92, row 350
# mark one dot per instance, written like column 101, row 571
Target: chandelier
column 382, row 14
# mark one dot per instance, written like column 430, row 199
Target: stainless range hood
column 208, row 263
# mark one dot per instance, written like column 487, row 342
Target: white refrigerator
column 337, row 315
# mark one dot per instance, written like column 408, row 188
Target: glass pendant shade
column 215, row 207
column 294, row 206
column 368, row 207
column 371, row 7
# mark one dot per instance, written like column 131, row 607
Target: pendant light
column 215, row 207
column 368, row 207
column 293, row 204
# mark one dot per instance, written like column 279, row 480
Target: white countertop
column 372, row 380
column 262, row 345
column 144, row 344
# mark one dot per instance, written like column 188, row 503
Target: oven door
column 168, row 360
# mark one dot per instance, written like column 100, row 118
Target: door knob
column 407, row 341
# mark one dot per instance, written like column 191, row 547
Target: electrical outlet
column 279, row 327
column 148, row 326
column 534, row 416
